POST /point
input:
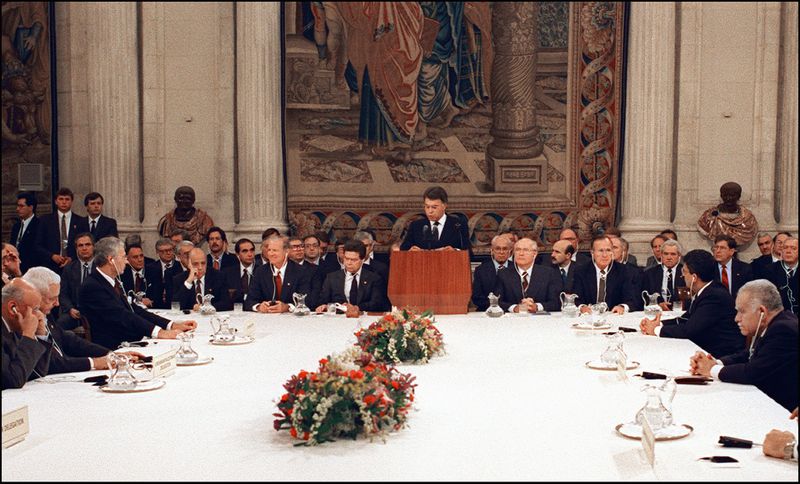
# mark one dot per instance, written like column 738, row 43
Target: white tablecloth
column 512, row 399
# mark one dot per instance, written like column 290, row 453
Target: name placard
column 249, row 328
column 648, row 442
column 15, row 426
column 164, row 364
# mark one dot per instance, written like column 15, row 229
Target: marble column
column 515, row 153
column 787, row 133
column 647, row 172
column 262, row 197
column 113, row 114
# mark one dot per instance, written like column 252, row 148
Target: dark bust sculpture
column 186, row 217
column 729, row 218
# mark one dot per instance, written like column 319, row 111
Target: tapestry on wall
column 514, row 108
column 27, row 104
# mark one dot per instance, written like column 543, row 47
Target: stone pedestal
column 520, row 175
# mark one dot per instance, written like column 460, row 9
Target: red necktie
column 216, row 264
column 278, row 286
column 725, row 278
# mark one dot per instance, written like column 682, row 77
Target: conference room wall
column 735, row 97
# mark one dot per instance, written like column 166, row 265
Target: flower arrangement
column 402, row 336
column 351, row 394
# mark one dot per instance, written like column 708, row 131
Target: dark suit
column 262, row 287
column 787, row 286
column 484, row 281
column 544, row 287
column 381, row 268
column 159, row 285
column 331, row 264
column 742, row 274
column 111, row 318
column 227, row 260
column 371, row 291
column 106, row 227
column 23, row 358
column 233, row 278
column 455, row 237
column 620, row 287
column 761, row 266
column 569, row 285
column 49, row 235
column 651, row 281
column 69, row 296
column 28, row 254
column 214, row 284
column 128, row 280
column 709, row 323
column 74, row 351
column 773, row 366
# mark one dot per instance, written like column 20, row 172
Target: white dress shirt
column 440, row 228
column 520, row 271
column 348, row 282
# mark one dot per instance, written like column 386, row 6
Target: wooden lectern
column 437, row 280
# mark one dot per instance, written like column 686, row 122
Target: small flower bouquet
column 402, row 336
column 351, row 394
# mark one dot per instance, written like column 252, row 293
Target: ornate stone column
column 113, row 114
column 515, row 154
column 647, row 181
column 262, row 197
column 786, row 193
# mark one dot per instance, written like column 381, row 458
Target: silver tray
column 673, row 432
column 144, row 386
column 599, row 365
column 200, row 361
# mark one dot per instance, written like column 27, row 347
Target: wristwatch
column 788, row 450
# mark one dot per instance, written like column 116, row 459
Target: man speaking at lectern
column 438, row 231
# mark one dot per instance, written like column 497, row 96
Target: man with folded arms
column 525, row 286
column 485, row 277
column 68, row 352
column 112, row 318
column 22, row 354
column 771, row 361
column 275, row 282
column 709, row 322
column 359, row 289
column 605, row 281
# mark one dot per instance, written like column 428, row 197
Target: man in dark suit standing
column 23, row 233
column 605, row 281
column 23, row 356
column 760, row 264
column 771, row 361
column 238, row 277
column 784, row 275
column 666, row 277
column 731, row 272
column 709, row 322
column 561, row 259
column 112, row 318
column 359, row 289
column 484, row 279
column 437, row 231
column 525, row 286
column 275, row 282
column 201, row 281
column 99, row 225
column 218, row 256
column 55, row 239
column 72, row 278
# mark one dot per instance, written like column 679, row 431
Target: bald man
column 485, row 276
column 201, row 280
column 527, row 287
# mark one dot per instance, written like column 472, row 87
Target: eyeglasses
column 295, row 247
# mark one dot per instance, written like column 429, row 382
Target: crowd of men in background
column 63, row 272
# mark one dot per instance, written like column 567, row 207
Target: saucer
column 238, row 340
column 673, row 432
column 144, row 386
column 199, row 361
column 599, row 365
column 591, row 327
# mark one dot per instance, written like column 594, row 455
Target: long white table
column 511, row 400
